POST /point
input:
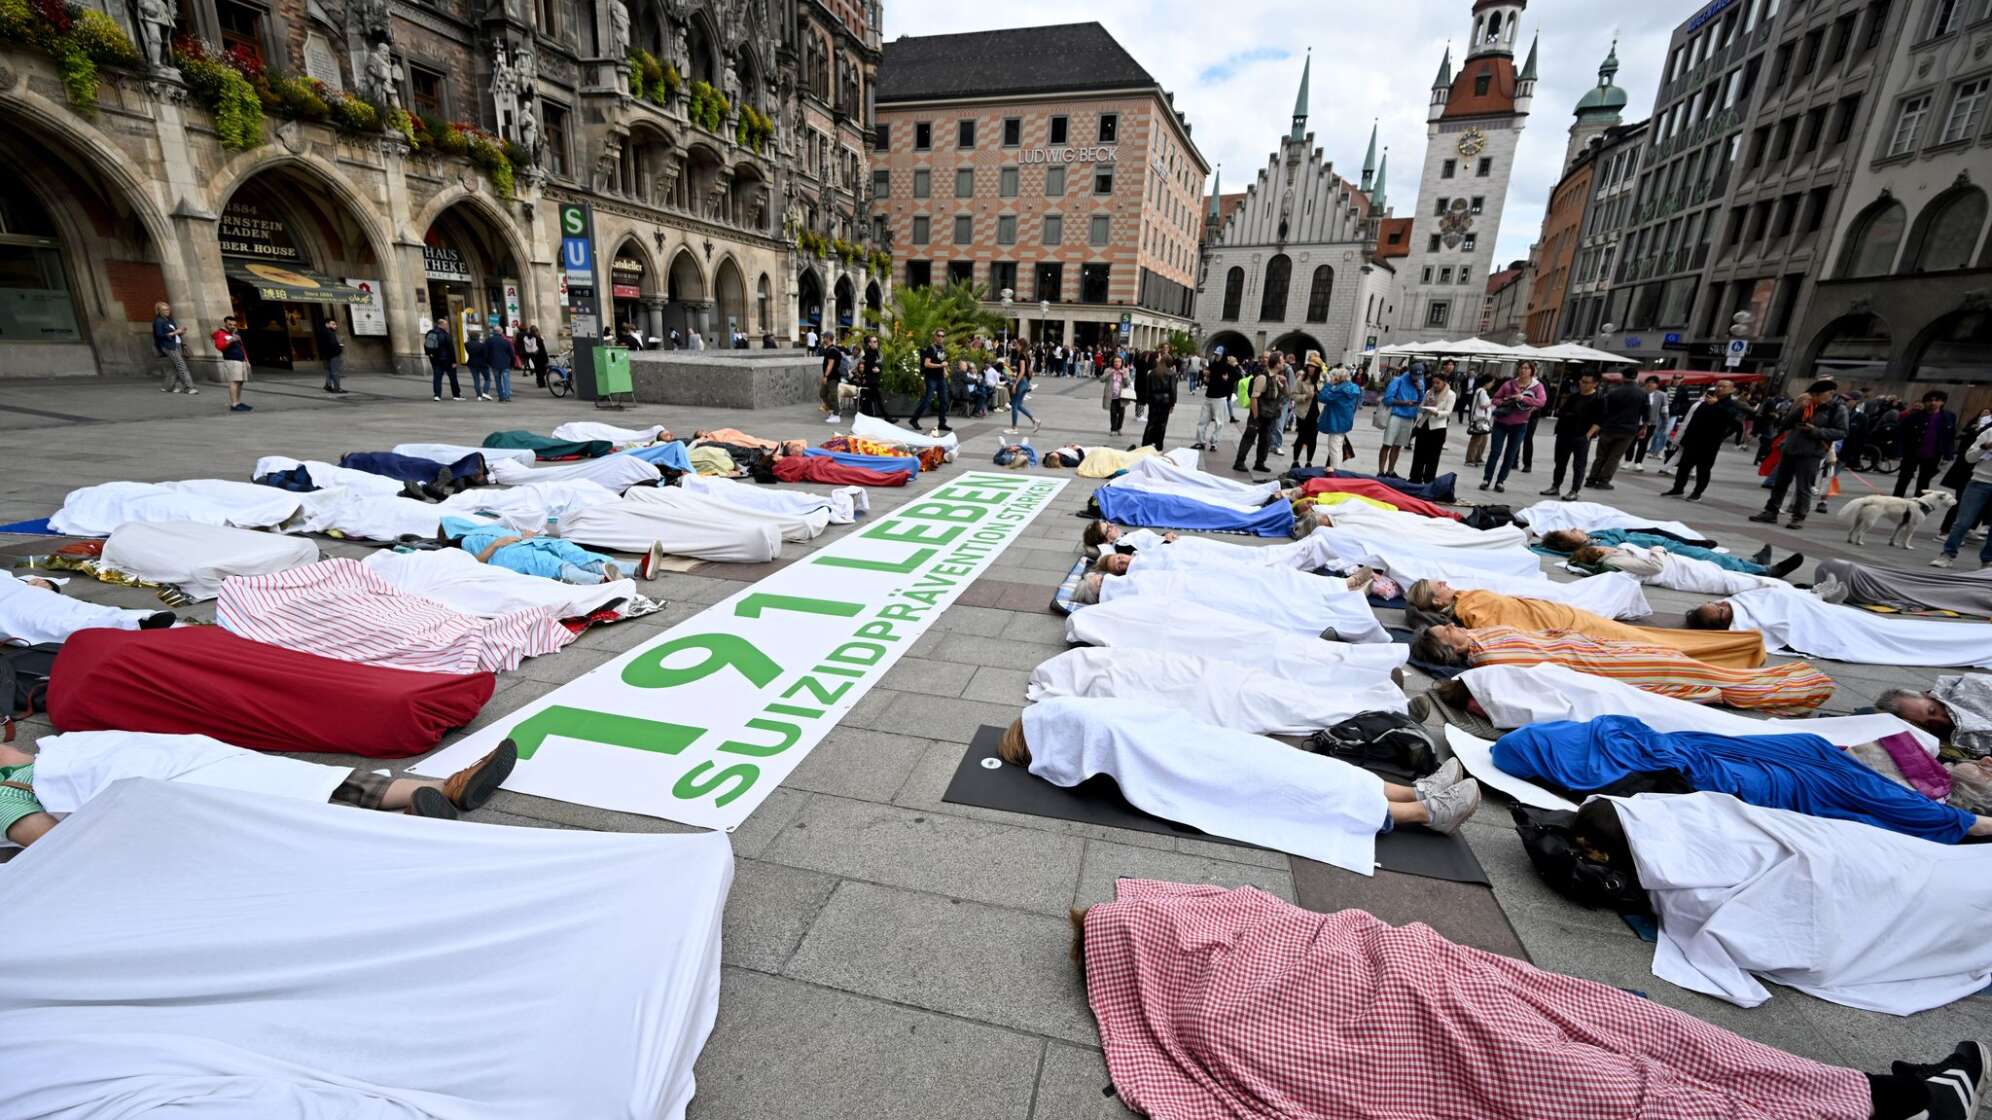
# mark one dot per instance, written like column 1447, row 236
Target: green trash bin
column 612, row 372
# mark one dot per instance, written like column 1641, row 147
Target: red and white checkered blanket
column 339, row 609
column 1226, row 1004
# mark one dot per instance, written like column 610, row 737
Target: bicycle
column 560, row 374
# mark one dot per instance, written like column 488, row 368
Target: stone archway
column 1956, row 347
column 88, row 252
column 473, row 269
column 688, row 303
column 847, row 303
column 730, row 290
column 300, row 249
column 874, row 297
column 1296, row 344
column 809, row 301
column 1853, row 345
column 635, row 291
column 1235, row 345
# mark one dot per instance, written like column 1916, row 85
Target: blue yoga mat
column 37, row 527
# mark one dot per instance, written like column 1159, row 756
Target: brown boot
column 469, row 788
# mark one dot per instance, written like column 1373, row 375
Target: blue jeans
column 1504, row 450
column 1971, row 508
column 480, row 380
column 1017, row 402
column 503, row 376
column 937, row 392
column 1658, row 442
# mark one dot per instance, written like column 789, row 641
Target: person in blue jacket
column 498, row 356
column 1339, row 399
column 1402, row 397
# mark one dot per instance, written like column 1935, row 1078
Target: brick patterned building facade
column 1066, row 177
column 700, row 209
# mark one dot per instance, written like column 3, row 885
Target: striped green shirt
column 17, row 803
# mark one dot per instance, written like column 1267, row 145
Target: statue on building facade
column 529, row 131
column 618, row 29
column 155, row 30
column 729, row 83
column 681, row 46
column 504, row 89
column 381, row 82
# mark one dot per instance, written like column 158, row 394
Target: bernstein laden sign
column 766, row 673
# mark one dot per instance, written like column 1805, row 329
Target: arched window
column 1318, row 293
column 1494, row 27
column 1272, row 302
column 1871, row 246
column 1946, row 232
column 1234, row 292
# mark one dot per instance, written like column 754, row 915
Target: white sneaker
column 1639, row 467
column 482, row 397
column 1943, row 561
column 439, row 398
column 1445, row 777
column 830, row 419
column 1451, row 806
column 193, row 392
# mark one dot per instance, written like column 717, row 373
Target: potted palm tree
column 906, row 325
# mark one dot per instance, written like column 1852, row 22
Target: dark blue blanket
column 407, row 468
column 1439, row 489
column 1802, row 773
column 1126, row 506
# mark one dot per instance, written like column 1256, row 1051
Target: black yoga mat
column 1413, row 851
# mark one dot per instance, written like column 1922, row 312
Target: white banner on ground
column 703, row 723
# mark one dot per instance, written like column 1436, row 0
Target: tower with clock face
column 1473, row 128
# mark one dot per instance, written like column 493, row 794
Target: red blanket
column 801, row 468
column 1370, row 488
column 203, row 680
column 1216, row 1004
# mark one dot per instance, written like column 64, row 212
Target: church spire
column 1445, row 79
column 1528, row 73
column 1216, row 176
column 1300, row 101
column 1369, row 159
column 1376, row 193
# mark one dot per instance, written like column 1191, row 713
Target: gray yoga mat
column 1413, row 851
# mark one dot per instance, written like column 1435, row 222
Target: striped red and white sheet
column 339, row 609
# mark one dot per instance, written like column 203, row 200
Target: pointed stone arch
column 730, row 299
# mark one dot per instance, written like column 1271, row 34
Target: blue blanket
column 1801, row 773
column 1127, row 506
column 870, row 462
column 669, row 456
column 1440, row 489
column 407, row 468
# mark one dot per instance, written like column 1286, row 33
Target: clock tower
column 1474, row 125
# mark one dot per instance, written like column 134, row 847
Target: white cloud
column 1371, row 62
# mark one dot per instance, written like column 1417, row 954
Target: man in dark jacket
column 1715, row 418
column 1810, row 426
column 333, row 352
column 1161, row 400
column 1624, row 410
column 1925, row 437
column 1576, row 421
column 498, row 357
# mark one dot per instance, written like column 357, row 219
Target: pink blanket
column 341, row 610
column 1222, row 1004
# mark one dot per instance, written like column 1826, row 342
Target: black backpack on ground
column 1598, row 873
column 1379, row 741
column 1490, row 517
column 24, row 674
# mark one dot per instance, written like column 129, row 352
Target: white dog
column 1904, row 513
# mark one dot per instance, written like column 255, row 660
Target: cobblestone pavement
column 888, row 955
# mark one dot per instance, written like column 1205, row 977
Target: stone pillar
column 653, row 315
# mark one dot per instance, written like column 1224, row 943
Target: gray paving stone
column 768, row 910
column 1231, row 853
column 1006, row 653
column 572, row 662
column 935, row 717
column 1072, row 1085
column 930, row 678
column 857, row 763
column 997, row 686
column 960, row 958
column 784, row 1049
column 1045, row 628
column 1106, row 862
column 1021, row 868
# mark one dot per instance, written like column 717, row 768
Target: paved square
column 887, row 954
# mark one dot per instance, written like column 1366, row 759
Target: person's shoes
column 1762, row 555
column 1036, row 425
column 159, row 620
column 1953, row 1084
column 413, row 491
column 913, row 422
column 1767, row 517
column 1599, row 485
column 1193, row 447
column 1694, row 497
column 1500, row 489
column 1451, row 806
column 1944, row 561
column 169, row 389
column 1788, row 565
column 1238, row 467
column 1820, row 508
column 1571, row 496
column 1132, row 446
column 652, row 562
column 1639, row 467
column 1260, row 468
column 944, row 428
column 1528, row 470
column 1419, row 709
column 1795, row 523
column 1445, row 777
column 239, row 408
column 611, row 571
column 830, row 419
column 429, row 801
column 330, row 389
column 1550, row 491
column 469, row 788
column 1485, row 485
column 192, row 392
column 456, row 396
column 1672, row 493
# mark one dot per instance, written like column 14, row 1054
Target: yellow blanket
column 1104, row 462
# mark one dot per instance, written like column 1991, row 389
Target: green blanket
column 544, row 448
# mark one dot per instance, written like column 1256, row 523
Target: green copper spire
column 1369, row 159
column 1529, row 68
column 1376, row 193
column 1300, row 100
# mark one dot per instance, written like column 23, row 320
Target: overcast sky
column 1234, row 67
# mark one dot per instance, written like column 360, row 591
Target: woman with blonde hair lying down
column 1740, row 649
column 1788, row 689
